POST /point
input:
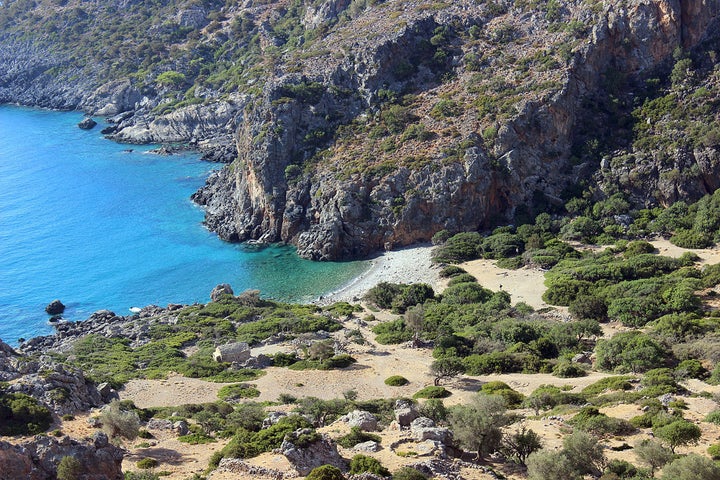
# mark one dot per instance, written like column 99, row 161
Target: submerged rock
column 55, row 307
column 87, row 124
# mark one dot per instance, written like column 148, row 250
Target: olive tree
column 477, row 426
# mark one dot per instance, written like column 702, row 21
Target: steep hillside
column 366, row 125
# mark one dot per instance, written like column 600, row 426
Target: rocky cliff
column 361, row 125
column 450, row 119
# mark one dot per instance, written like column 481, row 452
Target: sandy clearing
column 173, row 391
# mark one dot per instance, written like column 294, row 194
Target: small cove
column 101, row 225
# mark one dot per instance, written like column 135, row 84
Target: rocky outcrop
column 65, row 390
column 303, row 458
column 39, row 458
column 220, row 290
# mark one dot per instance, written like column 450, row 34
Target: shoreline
column 411, row 264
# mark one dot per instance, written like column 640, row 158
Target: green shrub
column 432, row 392
column 439, row 238
column 608, row 383
column 237, row 391
column 196, row 439
column 147, row 463
column 21, row 414
column 462, row 278
column 713, row 417
column 592, row 421
column 325, row 472
column 565, row 369
column 363, row 463
column 392, row 332
column 281, row 359
column 691, row 239
column 118, row 422
column 459, row 248
column 453, row 271
column 408, row 473
column 396, row 381
column 714, row 451
column 356, row 436
column 513, row 399
column 69, row 468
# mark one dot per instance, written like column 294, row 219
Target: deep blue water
column 85, row 221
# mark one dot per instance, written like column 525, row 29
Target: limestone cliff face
column 279, row 189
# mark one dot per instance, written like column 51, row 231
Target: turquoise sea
column 84, row 220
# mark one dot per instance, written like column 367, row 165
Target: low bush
column 568, row 370
column 451, row 271
column 432, row 392
column 396, row 381
column 408, row 473
column 147, row 463
column 591, row 420
column 238, row 391
column 608, row 383
column 713, row 417
column 462, row 278
column 325, row 472
column 21, row 414
column 69, row 468
column 363, row 463
column 512, row 398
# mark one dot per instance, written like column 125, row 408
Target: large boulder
column 238, row 352
column 366, row 421
column 55, row 307
column 405, row 413
column 304, row 455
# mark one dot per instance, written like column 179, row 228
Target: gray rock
column 238, row 352
column 369, row 446
column 436, row 434
column 55, row 307
column 220, row 290
column 421, row 422
column 305, row 458
column 87, row 124
column 159, row 424
column 273, row 418
column 366, row 421
column 405, row 415
column 181, row 427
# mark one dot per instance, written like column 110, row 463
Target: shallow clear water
column 84, row 220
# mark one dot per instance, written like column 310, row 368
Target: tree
column 477, row 426
column 521, row 443
column 321, row 350
column 545, row 465
column 692, row 467
column 653, row 453
column 69, row 468
column 320, row 411
column 678, row 433
column 585, row 453
column 117, row 422
column 446, row 368
column 415, row 321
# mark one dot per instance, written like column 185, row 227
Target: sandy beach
column 407, row 265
